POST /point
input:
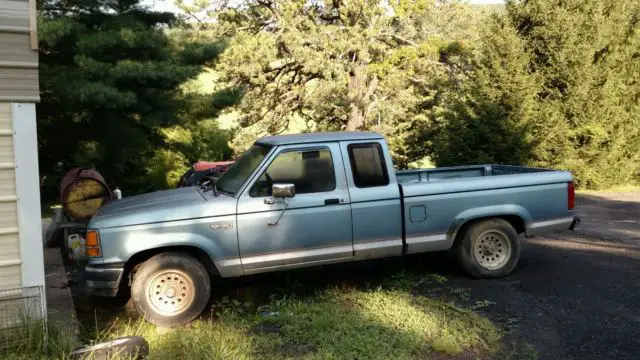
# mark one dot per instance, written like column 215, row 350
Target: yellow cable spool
column 82, row 192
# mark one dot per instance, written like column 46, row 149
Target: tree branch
column 373, row 84
column 269, row 6
column 400, row 40
column 329, row 18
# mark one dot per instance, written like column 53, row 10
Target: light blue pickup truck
column 302, row 200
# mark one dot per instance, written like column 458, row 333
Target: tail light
column 571, row 195
column 92, row 243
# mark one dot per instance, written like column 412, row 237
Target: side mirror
column 283, row 191
column 280, row 191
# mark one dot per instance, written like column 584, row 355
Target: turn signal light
column 92, row 243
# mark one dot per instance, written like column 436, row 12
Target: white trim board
column 25, row 149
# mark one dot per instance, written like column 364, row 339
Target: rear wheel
column 489, row 249
column 171, row 289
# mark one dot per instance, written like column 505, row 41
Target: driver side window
column 310, row 171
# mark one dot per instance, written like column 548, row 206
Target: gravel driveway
column 576, row 295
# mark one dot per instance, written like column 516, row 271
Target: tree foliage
column 339, row 65
column 553, row 83
column 588, row 56
column 556, row 84
column 487, row 116
column 112, row 75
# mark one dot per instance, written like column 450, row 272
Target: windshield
column 231, row 181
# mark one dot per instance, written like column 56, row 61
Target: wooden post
column 33, row 24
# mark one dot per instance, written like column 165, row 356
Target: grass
column 523, row 351
column 386, row 320
column 34, row 343
column 49, row 211
column 424, row 163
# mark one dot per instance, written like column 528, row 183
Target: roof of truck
column 318, row 137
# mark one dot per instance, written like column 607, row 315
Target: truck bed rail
column 457, row 172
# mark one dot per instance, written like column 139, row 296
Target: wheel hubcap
column 170, row 292
column 492, row 249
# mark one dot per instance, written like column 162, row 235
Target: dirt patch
column 60, row 310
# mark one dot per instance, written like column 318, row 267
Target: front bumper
column 103, row 280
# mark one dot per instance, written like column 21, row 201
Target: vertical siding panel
column 7, row 182
column 10, row 275
column 18, row 59
column 9, row 247
column 5, row 116
column 6, row 149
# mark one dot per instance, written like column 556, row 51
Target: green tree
column 111, row 80
column 555, row 83
column 338, row 65
column 588, row 55
column 487, row 116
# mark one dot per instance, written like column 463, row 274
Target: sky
column 167, row 5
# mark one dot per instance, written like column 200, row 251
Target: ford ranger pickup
column 314, row 199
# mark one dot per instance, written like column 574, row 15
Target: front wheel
column 489, row 249
column 171, row 289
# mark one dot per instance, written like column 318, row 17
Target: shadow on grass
column 339, row 324
column 390, row 308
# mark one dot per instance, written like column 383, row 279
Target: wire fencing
column 22, row 316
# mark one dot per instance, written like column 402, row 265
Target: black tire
column 130, row 347
column 176, row 302
column 490, row 260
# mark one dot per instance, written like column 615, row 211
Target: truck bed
column 436, row 201
column 457, row 172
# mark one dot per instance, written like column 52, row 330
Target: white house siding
column 10, row 259
column 18, row 60
column 21, row 255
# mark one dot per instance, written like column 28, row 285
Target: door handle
column 332, row 202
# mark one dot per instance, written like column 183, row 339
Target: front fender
column 220, row 243
column 486, row 212
column 168, row 240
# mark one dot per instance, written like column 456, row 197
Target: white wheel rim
column 170, row 292
column 492, row 249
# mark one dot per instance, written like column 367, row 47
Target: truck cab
column 346, row 203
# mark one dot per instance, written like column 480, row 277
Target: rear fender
column 486, row 212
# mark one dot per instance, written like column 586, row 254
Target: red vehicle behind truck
column 203, row 170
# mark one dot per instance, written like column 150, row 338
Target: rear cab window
column 367, row 165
